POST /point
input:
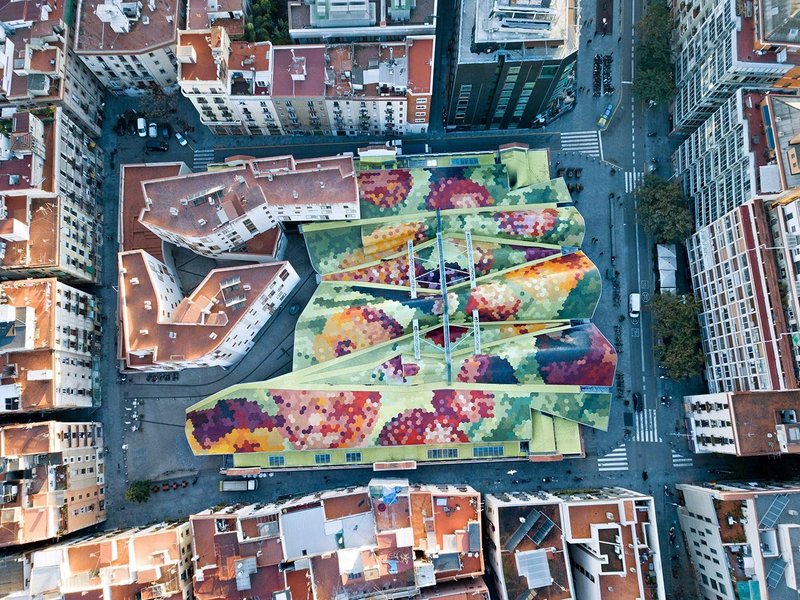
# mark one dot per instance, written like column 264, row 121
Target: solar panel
column 522, row 530
column 774, row 512
column 776, row 573
column 544, row 529
column 534, row 567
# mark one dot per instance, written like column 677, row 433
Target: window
column 487, row 451
column 352, row 457
column 276, row 461
column 322, row 459
column 438, row 453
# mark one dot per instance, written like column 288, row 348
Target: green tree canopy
column 268, row 20
column 677, row 330
column 663, row 210
column 654, row 77
column 138, row 491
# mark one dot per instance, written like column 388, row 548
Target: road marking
column 628, row 82
column 679, row 461
column 616, row 460
column 586, row 142
column 202, row 158
column 634, row 332
column 644, row 284
column 633, row 179
column 647, row 426
column 600, row 140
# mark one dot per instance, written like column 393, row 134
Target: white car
column 181, row 140
column 153, row 130
column 141, row 127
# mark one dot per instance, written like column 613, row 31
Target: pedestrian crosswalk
column 587, row 142
column 679, row 461
column 616, row 460
column 633, row 179
column 646, row 426
column 202, row 158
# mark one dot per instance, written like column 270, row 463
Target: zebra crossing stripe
column 586, row 142
column 679, row 461
column 616, row 460
column 647, row 426
column 633, row 179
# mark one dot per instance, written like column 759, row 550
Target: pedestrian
column 602, row 253
column 619, row 40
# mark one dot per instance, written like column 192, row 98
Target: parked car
column 141, row 127
column 638, row 405
column 166, row 131
column 181, row 140
column 153, row 130
column 157, row 145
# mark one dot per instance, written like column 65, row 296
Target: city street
column 613, row 162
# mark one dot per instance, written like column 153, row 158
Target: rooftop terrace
column 106, row 27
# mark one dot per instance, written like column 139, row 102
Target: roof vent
column 145, row 20
column 173, row 211
column 201, row 222
column 134, row 281
column 143, row 332
column 172, row 335
column 322, row 185
column 295, row 195
column 212, row 335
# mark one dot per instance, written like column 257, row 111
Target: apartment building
column 216, row 325
column 741, row 538
column 130, row 46
column 583, row 544
column 132, row 235
column 53, row 480
column 514, row 65
column 149, row 563
column 744, row 423
column 51, row 176
column 51, row 334
column 399, row 539
column 350, row 89
column 329, row 21
column 735, row 275
column 722, row 46
column 41, row 70
column 745, row 149
column 230, row 14
column 240, row 208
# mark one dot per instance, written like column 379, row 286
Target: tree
column 677, row 330
column 268, row 20
column 138, row 491
column 654, row 76
column 663, row 210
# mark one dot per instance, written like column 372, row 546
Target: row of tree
column 654, row 77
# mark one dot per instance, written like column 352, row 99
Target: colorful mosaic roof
column 358, row 381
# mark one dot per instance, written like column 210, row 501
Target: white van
column 141, row 126
column 634, row 306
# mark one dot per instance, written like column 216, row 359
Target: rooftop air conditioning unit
column 172, row 335
column 201, row 222
column 134, row 281
column 185, row 201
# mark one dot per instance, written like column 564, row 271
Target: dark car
column 638, row 405
column 166, row 131
column 157, row 145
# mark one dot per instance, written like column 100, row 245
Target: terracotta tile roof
column 95, row 37
column 193, row 328
column 134, row 235
column 242, row 187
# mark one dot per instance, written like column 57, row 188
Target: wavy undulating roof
column 363, row 391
